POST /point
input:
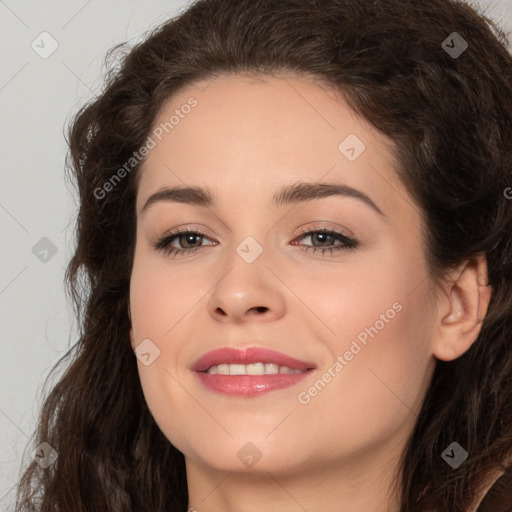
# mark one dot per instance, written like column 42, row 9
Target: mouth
column 249, row 372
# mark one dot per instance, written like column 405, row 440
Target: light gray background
column 37, row 98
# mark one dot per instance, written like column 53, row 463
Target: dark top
column 499, row 496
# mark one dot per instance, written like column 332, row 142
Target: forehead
column 254, row 134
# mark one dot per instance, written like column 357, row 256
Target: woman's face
column 360, row 313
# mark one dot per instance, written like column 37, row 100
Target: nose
column 247, row 292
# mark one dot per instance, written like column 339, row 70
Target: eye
column 190, row 237
column 323, row 235
column 182, row 235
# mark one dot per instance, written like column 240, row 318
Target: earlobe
column 461, row 309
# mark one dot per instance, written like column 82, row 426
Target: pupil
column 188, row 238
column 322, row 235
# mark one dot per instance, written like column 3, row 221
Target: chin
column 243, row 456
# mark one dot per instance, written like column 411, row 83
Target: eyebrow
column 290, row 194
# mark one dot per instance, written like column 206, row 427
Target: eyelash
column 163, row 244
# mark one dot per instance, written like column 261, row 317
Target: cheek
column 161, row 299
column 374, row 295
column 381, row 383
column 380, row 324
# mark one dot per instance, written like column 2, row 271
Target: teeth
column 251, row 369
column 271, row 368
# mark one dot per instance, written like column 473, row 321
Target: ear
column 461, row 308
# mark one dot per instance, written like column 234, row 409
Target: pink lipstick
column 249, row 372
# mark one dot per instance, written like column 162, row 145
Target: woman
column 297, row 215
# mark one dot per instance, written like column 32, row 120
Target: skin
column 244, row 140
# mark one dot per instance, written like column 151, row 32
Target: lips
column 229, row 355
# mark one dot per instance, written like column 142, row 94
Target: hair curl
column 451, row 121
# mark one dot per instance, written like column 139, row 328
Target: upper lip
column 230, row 355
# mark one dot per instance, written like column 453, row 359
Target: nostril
column 257, row 310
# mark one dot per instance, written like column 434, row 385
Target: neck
column 365, row 482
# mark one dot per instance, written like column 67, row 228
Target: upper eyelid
column 318, row 225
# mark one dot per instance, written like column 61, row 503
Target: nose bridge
column 251, row 239
column 248, row 232
column 247, row 258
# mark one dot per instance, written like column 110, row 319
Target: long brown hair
column 450, row 117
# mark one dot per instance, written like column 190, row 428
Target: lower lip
column 250, row 385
